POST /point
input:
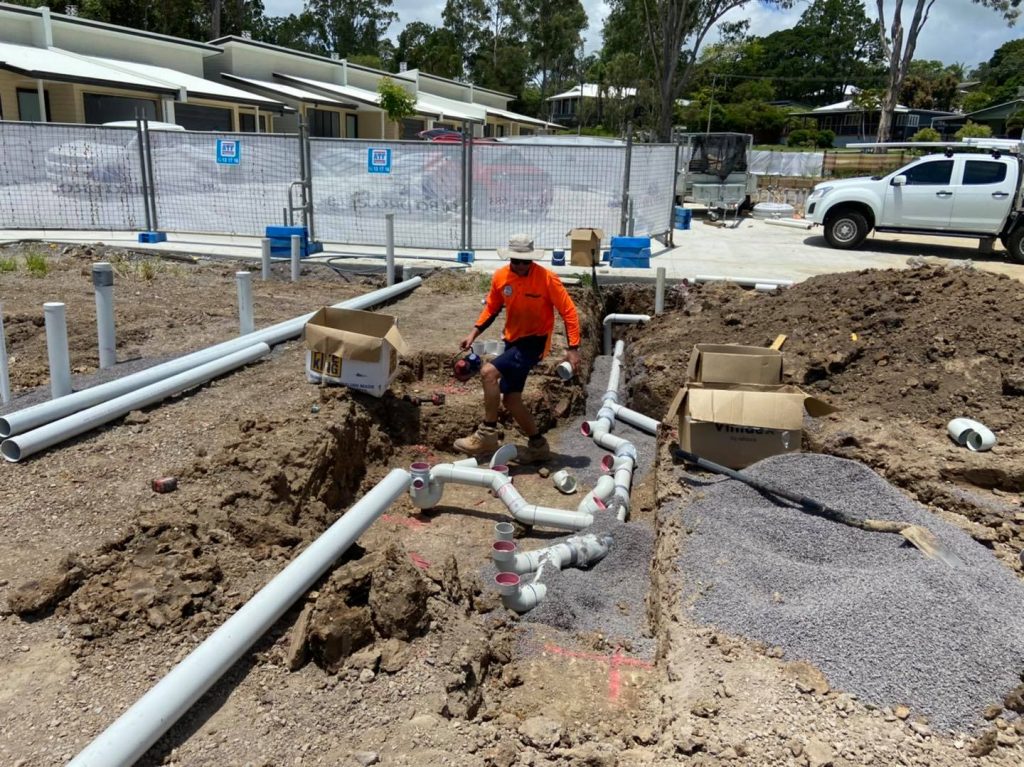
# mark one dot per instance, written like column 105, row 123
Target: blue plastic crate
column 639, row 260
column 465, row 256
column 630, row 243
column 683, row 218
column 281, row 241
column 150, row 237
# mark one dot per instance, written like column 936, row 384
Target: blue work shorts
column 515, row 364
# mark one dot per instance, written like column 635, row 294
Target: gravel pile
column 880, row 619
column 610, row 598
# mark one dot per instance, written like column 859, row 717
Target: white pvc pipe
column 246, row 320
column 766, row 287
column 36, row 415
column 265, row 258
column 103, row 285
column 748, row 282
column 516, row 595
column 5, row 377
column 659, row 291
column 128, row 738
column 57, row 348
column 620, row 319
column 790, row 222
column 296, row 251
column 389, row 245
column 633, row 418
column 429, row 491
column 577, row 550
column 23, row 445
column 971, row 434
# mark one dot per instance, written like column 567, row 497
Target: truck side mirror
column 900, row 180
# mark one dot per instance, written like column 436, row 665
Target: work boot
column 535, row 451
column 483, row 440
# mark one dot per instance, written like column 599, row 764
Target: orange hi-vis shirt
column 530, row 304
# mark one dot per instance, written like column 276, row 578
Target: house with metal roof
column 996, row 117
column 60, row 68
column 852, row 123
column 340, row 99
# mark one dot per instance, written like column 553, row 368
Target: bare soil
column 401, row 655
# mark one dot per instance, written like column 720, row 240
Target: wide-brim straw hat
column 520, row 247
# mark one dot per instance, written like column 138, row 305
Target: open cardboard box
column 734, row 364
column 353, row 348
column 585, row 246
column 739, row 424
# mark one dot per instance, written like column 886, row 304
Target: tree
column 553, row 35
column 930, row 85
column 1001, row 76
column 898, row 47
column 973, row 130
column 502, row 61
column 349, row 27
column 673, row 32
column 395, row 100
column 433, row 49
column 467, row 22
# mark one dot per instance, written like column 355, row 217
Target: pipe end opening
column 585, row 429
column 11, row 451
column 504, row 546
column 5, row 428
column 420, row 466
column 607, row 462
column 506, row 579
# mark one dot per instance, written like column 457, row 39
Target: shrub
column 395, row 100
column 825, row 138
column 802, row 137
column 973, row 130
column 927, row 134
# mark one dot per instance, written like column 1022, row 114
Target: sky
column 958, row 31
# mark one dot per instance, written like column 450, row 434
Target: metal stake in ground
column 920, row 537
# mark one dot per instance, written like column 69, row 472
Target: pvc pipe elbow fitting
column 591, row 505
column 518, row 596
column 626, row 450
column 971, row 434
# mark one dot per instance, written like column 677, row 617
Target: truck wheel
column 846, row 229
column 1015, row 245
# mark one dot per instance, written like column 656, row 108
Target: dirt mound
column 900, row 352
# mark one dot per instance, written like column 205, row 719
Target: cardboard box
column 354, row 349
column 734, row 364
column 737, row 425
column 585, row 246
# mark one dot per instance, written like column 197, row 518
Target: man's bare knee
column 490, row 374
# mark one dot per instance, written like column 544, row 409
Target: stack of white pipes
column 35, row 428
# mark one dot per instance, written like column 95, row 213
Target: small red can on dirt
column 165, row 485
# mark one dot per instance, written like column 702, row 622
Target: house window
column 929, row 173
column 324, row 123
column 411, row 127
column 28, row 106
column 852, row 118
column 351, row 126
column 984, row 172
column 247, row 123
column 102, row 108
column 196, row 117
column 913, row 121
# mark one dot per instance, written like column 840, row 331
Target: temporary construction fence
column 458, row 196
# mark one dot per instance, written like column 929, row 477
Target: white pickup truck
column 957, row 194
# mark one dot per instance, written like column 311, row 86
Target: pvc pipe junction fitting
column 971, row 434
column 503, row 455
column 424, row 491
column 621, row 319
column 564, row 481
column 518, row 596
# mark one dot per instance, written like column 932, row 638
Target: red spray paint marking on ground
column 412, row 524
column 419, row 561
column 615, row 662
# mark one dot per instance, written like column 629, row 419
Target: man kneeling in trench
column 530, row 293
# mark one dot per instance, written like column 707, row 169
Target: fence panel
column 544, row 191
column 764, row 162
column 70, row 177
column 652, row 188
column 196, row 193
column 844, row 164
column 423, row 188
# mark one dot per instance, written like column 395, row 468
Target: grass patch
column 134, row 268
column 8, row 264
column 37, row 264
